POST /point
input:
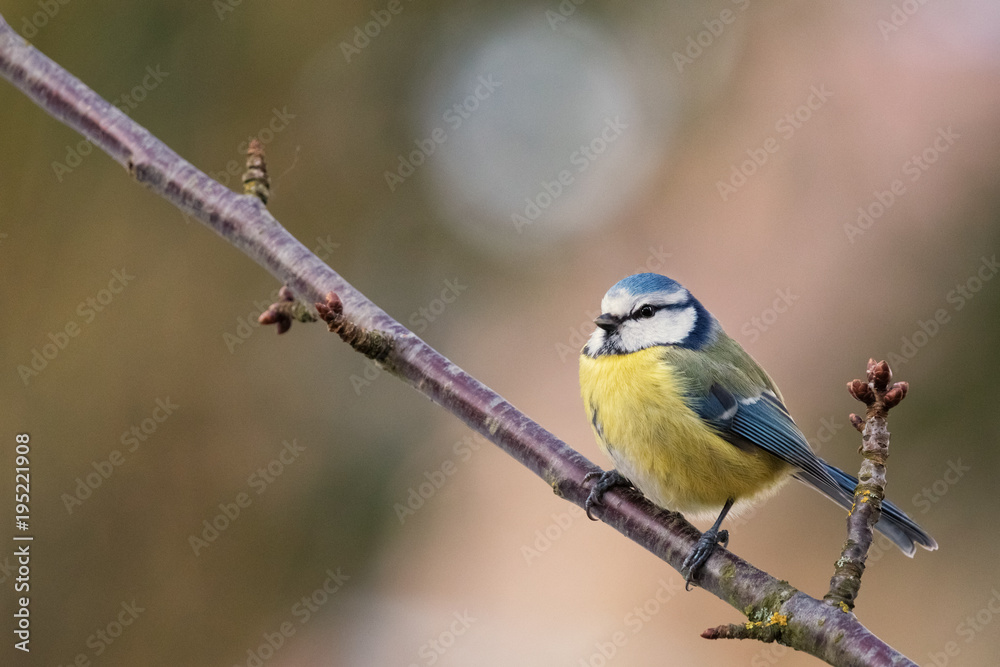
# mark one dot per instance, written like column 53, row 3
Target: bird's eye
column 646, row 311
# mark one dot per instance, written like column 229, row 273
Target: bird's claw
column 606, row 479
column 701, row 552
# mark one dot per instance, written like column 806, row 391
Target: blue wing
column 764, row 421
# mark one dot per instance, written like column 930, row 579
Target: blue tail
column 894, row 524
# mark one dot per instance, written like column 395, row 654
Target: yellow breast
column 636, row 405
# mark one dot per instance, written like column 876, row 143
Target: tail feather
column 894, row 524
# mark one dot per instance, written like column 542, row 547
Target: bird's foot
column 607, row 479
column 701, row 552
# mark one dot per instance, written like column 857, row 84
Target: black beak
column 607, row 322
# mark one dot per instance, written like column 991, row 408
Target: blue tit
column 692, row 421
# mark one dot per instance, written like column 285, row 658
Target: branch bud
column 857, row 422
column 880, row 375
column 896, row 394
column 861, row 391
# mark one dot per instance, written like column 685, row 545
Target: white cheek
column 667, row 327
column 595, row 341
column 674, row 298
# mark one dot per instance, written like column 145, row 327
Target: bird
column 693, row 422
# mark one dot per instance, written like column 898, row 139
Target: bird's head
column 645, row 310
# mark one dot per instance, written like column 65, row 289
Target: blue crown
column 647, row 283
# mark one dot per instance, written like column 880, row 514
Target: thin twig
column 766, row 631
column 879, row 397
column 813, row 626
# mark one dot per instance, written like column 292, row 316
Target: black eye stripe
column 635, row 314
column 645, row 311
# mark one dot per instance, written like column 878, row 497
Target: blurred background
column 824, row 179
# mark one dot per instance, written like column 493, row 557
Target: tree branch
column 806, row 624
